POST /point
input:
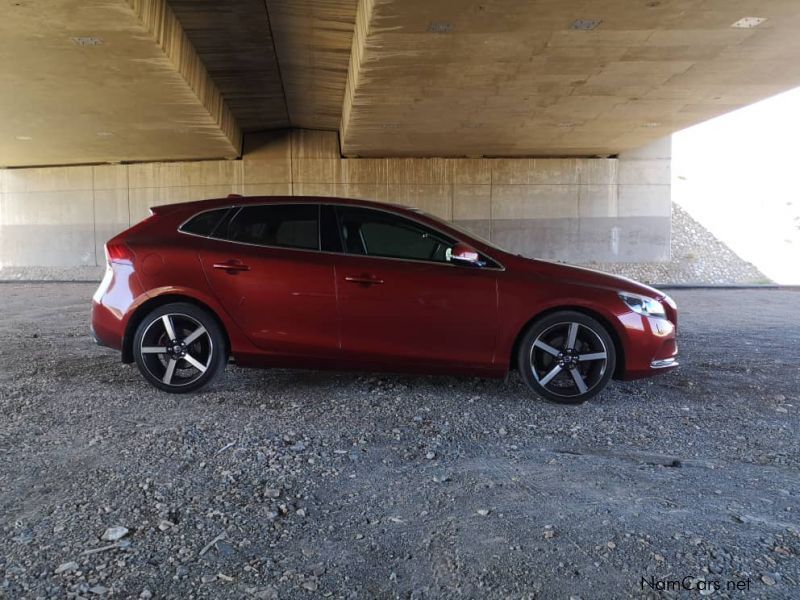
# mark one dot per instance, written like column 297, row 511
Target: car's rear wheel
column 179, row 348
column 567, row 357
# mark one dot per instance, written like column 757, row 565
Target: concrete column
column 645, row 204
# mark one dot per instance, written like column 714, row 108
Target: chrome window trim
column 239, row 207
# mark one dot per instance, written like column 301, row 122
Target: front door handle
column 231, row 266
column 364, row 280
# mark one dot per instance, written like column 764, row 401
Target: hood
column 589, row 277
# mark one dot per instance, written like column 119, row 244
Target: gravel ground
column 297, row 484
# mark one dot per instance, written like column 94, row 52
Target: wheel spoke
column 195, row 363
column 153, row 350
column 168, row 327
column 547, row 378
column 194, row 335
column 573, row 335
column 578, row 380
column 592, row 356
column 546, row 347
column 170, row 370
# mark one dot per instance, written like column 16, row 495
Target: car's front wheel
column 567, row 357
column 179, row 347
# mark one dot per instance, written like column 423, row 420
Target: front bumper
column 664, row 363
column 651, row 348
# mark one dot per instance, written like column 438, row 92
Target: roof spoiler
column 161, row 210
column 165, row 209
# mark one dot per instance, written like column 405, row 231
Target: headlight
column 643, row 305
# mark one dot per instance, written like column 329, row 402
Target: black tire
column 154, row 349
column 552, row 369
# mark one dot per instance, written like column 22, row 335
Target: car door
column 402, row 302
column 264, row 265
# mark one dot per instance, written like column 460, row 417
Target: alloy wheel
column 568, row 359
column 176, row 349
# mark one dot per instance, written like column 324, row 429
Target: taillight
column 118, row 252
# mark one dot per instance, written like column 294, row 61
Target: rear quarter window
column 205, row 222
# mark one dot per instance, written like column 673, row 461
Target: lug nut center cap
column 568, row 358
column 176, row 349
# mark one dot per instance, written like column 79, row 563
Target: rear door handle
column 364, row 279
column 231, row 266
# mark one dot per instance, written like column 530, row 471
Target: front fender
column 524, row 302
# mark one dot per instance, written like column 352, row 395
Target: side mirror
column 465, row 255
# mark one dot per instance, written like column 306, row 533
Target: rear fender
column 237, row 341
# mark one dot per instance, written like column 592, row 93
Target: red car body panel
column 421, row 314
column 315, row 309
column 285, row 302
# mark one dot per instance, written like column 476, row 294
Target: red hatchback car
column 350, row 284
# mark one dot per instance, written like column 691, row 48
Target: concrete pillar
column 645, row 203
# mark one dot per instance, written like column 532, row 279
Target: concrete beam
column 159, row 20
column 312, row 42
column 509, row 78
column 97, row 81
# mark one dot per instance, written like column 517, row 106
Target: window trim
column 500, row 266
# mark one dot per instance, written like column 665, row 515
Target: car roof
column 238, row 200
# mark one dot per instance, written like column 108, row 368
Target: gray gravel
column 698, row 257
column 299, row 484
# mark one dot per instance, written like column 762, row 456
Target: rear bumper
column 97, row 340
column 112, row 304
column 106, row 326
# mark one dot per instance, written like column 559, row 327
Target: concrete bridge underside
column 499, row 113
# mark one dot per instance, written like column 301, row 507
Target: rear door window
column 279, row 225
